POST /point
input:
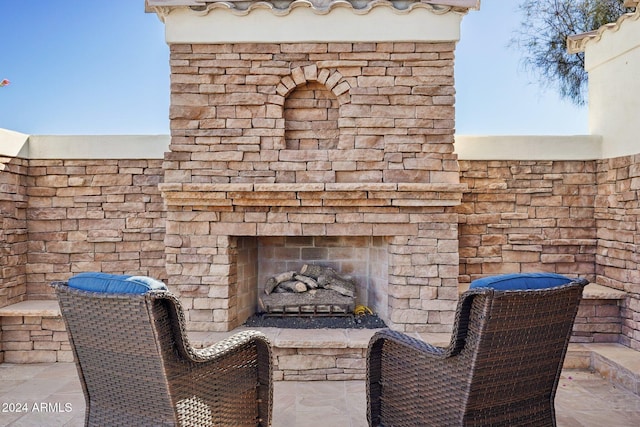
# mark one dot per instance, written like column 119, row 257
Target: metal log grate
column 322, row 302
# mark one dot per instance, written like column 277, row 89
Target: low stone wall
column 597, row 321
column 617, row 216
column 33, row 332
column 599, row 315
column 13, row 229
column 93, row 215
column 527, row 216
column 30, row 339
column 312, row 355
column 319, row 364
column 578, row 217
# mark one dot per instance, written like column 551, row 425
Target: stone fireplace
column 292, row 144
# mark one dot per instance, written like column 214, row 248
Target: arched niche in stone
column 310, row 100
column 311, row 118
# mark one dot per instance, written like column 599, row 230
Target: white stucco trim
column 614, row 104
column 97, row 146
column 381, row 24
column 528, row 147
column 13, row 144
column 467, row 147
column 579, row 42
column 622, row 37
column 613, row 63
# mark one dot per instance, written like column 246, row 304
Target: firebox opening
column 361, row 258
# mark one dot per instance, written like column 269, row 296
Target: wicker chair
column 501, row 367
column 137, row 367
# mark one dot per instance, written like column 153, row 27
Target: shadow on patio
column 50, row 394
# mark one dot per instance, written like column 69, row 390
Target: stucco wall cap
column 578, row 42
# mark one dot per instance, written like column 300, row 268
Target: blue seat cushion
column 519, row 281
column 115, row 283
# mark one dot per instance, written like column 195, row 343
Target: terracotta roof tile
column 284, row 7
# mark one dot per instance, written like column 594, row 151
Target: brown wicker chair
column 137, row 367
column 501, row 367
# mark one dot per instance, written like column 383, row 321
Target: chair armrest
column 421, row 378
column 228, row 345
column 402, row 339
column 212, row 366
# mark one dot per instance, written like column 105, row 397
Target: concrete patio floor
column 583, row 399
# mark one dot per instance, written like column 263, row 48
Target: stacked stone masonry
column 337, row 112
column 597, row 321
column 13, row 235
column 569, row 217
column 34, row 339
column 498, row 213
column 325, row 140
column 315, row 140
column 93, row 215
column 527, row 216
column 617, row 217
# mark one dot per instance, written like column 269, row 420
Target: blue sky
column 89, row 67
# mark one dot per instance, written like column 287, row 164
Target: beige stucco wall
column 15, row 144
column 528, row 147
column 467, row 147
column 613, row 63
column 306, row 25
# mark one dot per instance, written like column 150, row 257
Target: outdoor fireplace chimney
column 298, row 119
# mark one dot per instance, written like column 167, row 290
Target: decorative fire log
column 341, row 285
column 314, row 271
column 311, row 284
column 293, row 286
column 283, row 277
column 274, row 281
column 319, row 302
column 310, row 278
column 314, row 290
column 270, row 285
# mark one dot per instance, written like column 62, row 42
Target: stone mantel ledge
column 312, row 194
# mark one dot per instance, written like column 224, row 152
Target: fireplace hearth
column 362, row 321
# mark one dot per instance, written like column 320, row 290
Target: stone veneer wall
column 523, row 216
column 93, row 215
column 597, row 321
column 237, row 113
column 13, row 230
column 573, row 217
column 569, row 217
column 617, row 217
column 34, row 339
column 375, row 119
